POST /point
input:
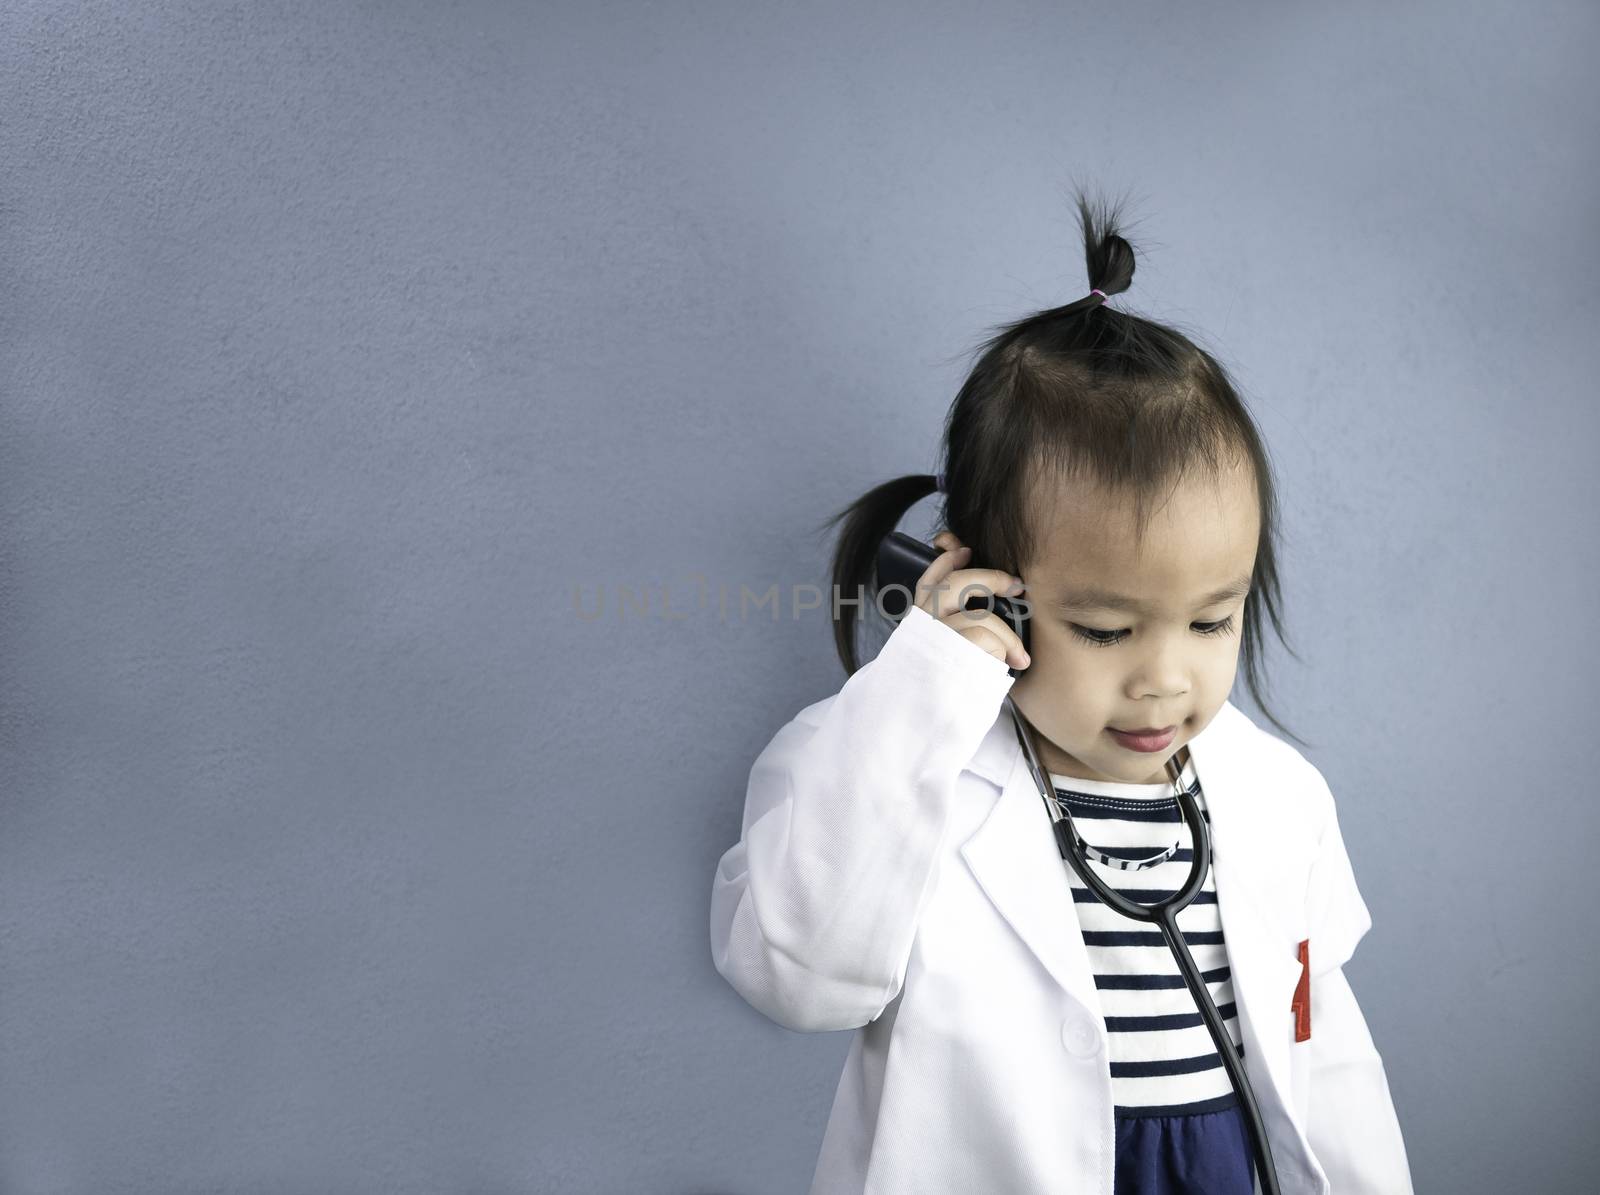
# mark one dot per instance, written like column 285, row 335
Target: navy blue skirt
column 1193, row 1153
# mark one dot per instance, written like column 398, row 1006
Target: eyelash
column 1090, row 636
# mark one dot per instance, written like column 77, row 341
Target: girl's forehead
column 1202, row 526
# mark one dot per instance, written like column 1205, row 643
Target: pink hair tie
column 1103, row 296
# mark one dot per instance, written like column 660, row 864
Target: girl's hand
column 983, row 627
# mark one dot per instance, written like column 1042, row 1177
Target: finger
column 933, row 578
column 991, row 633
column 955, row 589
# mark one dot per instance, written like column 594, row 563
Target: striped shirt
column 1163, row 1062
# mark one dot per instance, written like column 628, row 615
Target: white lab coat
column 896, row 874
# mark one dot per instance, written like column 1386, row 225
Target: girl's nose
column 1163, row 675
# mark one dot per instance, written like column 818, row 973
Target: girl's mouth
column 1149, row 740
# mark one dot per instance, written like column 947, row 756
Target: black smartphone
column 901, row 562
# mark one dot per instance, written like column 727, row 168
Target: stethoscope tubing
column 1164, row 916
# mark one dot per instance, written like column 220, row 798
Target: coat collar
column 1013, row 856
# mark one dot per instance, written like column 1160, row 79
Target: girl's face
column 1167, row 654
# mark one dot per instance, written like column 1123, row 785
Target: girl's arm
column 814, row 909
column 1352, row 1124
column 1353, row 1128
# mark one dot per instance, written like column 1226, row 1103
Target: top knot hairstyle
column 1081, row 390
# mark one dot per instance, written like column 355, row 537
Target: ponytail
column 866, row 523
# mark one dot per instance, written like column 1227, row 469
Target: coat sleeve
column 814, row 909
column 1352, row 1125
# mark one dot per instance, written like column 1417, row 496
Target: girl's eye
column 1109, row 638
column 1097, row 638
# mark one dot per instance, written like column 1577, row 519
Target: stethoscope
column 1164, row 916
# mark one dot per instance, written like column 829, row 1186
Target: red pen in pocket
column 1301, row 1005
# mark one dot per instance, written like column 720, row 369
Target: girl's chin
column 1106, row 761
column 1140, row 769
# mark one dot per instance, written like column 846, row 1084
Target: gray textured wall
column 344, row 344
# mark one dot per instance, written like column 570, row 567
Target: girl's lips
column 1144, row 741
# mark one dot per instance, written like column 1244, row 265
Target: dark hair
column 1079, row 390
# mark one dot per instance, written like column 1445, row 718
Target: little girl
column 896, row 872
